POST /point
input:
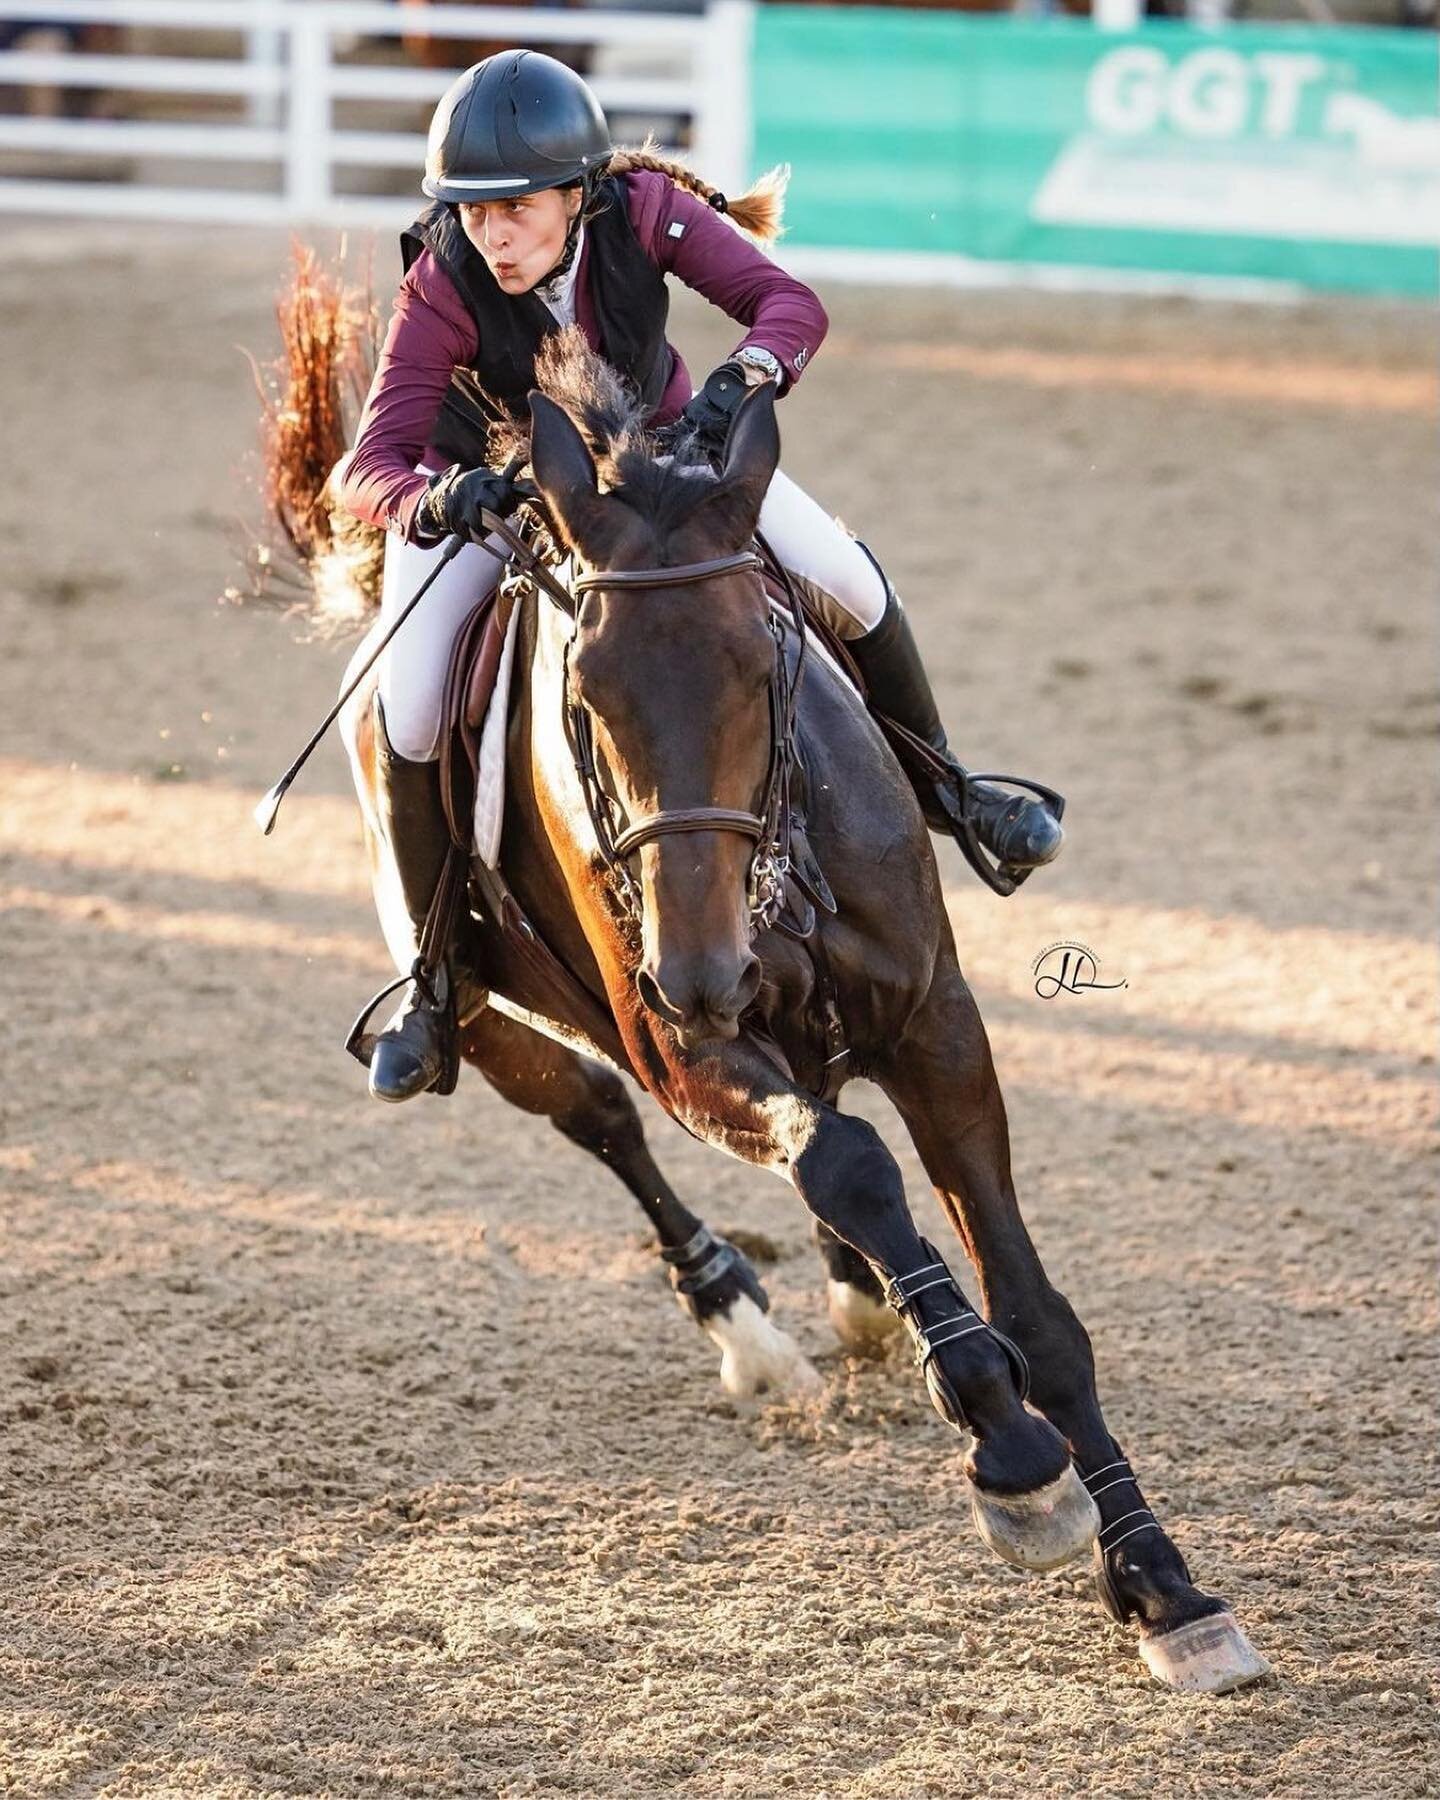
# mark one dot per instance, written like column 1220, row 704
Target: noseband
column 769, row 829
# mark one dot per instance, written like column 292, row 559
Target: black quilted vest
column 627, row 292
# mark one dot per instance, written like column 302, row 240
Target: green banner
column 1299, row 154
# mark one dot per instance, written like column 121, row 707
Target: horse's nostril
column 748, row 985
column 699, row 1002
column 650, row 996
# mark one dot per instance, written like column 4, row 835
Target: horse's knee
column 852, row 1184
column 845, row 1166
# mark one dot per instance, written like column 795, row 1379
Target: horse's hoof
column 862, row 1323
column 1207, row 1656
column 1040, row 1530
column 756, row 1357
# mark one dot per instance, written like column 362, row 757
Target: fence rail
column 291, row 67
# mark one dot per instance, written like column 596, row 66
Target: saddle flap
column 469, row 680
column 484, row 665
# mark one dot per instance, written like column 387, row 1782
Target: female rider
column 537, row 221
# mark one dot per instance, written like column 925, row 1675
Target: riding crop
column 265, row 813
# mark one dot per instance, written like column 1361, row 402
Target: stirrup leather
column 430, row 972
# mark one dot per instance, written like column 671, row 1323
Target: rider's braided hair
column 757, row 212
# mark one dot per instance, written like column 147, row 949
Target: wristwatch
column 753, row 357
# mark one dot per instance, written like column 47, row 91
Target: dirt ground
column 352, row 1451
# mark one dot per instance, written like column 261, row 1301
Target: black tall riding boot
column 416, row 1049
column 1019, row 832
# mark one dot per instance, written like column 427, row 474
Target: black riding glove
column 708, row 413
column 453, row 501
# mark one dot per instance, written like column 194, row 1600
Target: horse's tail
column 314, row 557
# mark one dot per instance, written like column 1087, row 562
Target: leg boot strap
column 701, row 1264
column 902, row 1294
column 1135, row 1517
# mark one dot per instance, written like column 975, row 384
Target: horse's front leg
column 1018, row 1464
column 714, row 1282
column 943, row 1081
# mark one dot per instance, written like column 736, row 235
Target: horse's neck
column 544, row 796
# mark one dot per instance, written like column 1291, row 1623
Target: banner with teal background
column 1298, row 154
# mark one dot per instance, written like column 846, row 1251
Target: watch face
column 761, row 359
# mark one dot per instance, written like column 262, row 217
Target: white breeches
column 412, row 671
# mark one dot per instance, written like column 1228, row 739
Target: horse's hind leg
column 853, row 1295
column 713, row 1281
column 943, row 1082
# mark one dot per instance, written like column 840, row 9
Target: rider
column 537, row 221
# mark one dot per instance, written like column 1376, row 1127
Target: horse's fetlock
column 842, row 1262
column 708, row 1275
column 1023, row 1457
column 1148, row 1580
column 982, row 1375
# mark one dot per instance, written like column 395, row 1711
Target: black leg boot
column 416, row 1050
column 1019, row 832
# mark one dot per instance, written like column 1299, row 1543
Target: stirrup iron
column 1001, row 878
column 360, row 1042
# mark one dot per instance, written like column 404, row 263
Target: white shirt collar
column 559, row 293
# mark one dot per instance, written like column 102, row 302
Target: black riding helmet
column 515, row 123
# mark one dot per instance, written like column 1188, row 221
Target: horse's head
column 676, row 682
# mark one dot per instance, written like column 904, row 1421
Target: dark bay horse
column 641, row 777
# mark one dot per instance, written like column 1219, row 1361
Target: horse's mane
column 324, row 566
column 610, row 416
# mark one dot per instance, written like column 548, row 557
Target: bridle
column 769, row 829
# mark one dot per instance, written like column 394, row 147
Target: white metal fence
column 284, row 64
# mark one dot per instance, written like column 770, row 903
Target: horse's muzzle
column 702, row 997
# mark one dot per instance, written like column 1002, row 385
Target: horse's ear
column 752, row 452
column 564, row 469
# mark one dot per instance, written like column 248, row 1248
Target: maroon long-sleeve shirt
column 432, row 333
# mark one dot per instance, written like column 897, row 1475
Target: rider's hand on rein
column 708, row 414
column 455, row 503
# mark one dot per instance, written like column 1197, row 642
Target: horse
column 661, row 743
